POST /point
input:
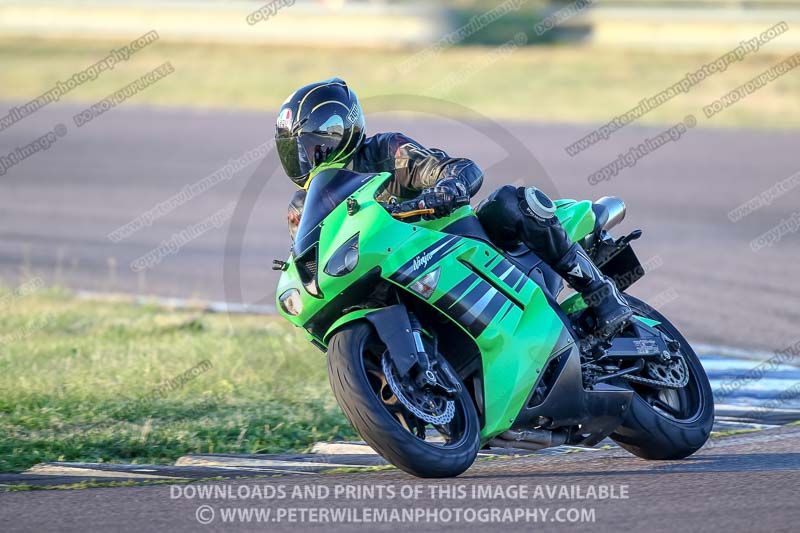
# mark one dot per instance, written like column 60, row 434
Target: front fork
column 428, row 375
column 402, row 334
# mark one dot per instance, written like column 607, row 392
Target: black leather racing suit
column 508, row 215
column 413, row 168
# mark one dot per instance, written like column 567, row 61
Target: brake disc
column 436, row 420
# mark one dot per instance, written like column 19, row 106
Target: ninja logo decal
column 433, row 253
column 473, row 302
column 422, row 260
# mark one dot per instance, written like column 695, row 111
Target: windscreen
column 328, row 189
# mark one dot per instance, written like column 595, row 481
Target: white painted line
column 246, row 462
column 342, row 448
column 264, row 470
column 69, row 471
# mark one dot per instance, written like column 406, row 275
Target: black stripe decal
column 501, row 267
column 462, row 306
column 449, row 299
column 492, row 309
column 492, row 260
column 512, row 277
column 508, row 310
column 431, row 255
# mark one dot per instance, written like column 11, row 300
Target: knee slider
column 535, row 203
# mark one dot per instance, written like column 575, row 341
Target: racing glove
column 444, row 197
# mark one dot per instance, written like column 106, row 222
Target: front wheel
column 401, row 431
column 668, row 423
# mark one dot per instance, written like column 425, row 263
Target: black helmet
column 319, row 126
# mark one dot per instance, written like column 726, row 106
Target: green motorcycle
column 439, row 344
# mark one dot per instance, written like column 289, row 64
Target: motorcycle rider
column 321, row 126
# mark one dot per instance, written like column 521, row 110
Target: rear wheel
column 424, row 434
column 664, row 423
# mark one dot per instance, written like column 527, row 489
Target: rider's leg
column 510, row 214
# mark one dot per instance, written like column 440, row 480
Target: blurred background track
column 58, row 207
column 697, row 24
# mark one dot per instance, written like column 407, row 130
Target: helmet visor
column 315, row 144
column 293, row 159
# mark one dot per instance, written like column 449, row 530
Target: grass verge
column 548, row 83
column 112, row 382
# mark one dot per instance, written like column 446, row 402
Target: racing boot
column 599, row 292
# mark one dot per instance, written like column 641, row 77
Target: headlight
column 345, row 259
column 291, row 302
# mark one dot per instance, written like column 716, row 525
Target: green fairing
column 573, row 304
column 517, row 340
column 577, row 218
column 352, row 316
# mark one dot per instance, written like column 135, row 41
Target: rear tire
column 651, row 433
column 356, row 394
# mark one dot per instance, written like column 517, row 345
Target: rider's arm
column 418, row 168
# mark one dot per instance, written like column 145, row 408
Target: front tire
column 397, row 435
column 678, row 425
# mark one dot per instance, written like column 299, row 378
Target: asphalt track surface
column 58, row 206
column 744, row 482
